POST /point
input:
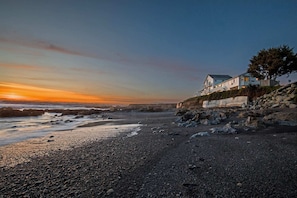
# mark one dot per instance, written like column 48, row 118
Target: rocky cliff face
column 275, row 108
column 284, row 97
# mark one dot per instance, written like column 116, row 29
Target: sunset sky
column 132, row 51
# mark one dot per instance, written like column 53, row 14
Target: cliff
column 256, row 96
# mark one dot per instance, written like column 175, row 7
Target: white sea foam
column 23, row 151
column 47, row 106
column 134, row 132
column 21, row 128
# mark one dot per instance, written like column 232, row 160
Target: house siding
column 218, row 85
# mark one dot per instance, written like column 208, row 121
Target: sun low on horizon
column 18, row 92
column 12, row 96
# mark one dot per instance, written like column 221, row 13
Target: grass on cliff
column 250, row 91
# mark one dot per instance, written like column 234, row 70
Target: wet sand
column 20, row 152
column 161, row 161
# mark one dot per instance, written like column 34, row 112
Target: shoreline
column 22, row 151
column 163, row 161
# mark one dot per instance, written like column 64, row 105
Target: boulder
column 187, row 116
column 199, row 134
column 10, row 112
column 281, row 118
column 283, row 97
column 181, row 112
column 243, row 114
column 292, row 106
column 205, row 117
column 227, row 129
column 253, row 122
column 205, row 122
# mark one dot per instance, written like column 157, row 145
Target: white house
column 211, row 81
column 218, row 83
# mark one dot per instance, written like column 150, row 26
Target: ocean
column 21, row 106
column 16, row 129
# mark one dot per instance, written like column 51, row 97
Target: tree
column 273, row 62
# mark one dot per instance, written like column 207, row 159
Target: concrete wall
column 238, row 101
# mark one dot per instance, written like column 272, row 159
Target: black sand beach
column 162, row 161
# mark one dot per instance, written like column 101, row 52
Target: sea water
column 22, row 106
column 16, row 129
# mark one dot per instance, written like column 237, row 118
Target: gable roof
column 219, row 76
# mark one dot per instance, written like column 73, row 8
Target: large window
column 246, row 79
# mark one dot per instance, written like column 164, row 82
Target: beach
column 153, row 158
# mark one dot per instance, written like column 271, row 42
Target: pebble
column 110, row 191
column 189, row 185
column 192, row 167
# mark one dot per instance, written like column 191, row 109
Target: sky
column 133, row 51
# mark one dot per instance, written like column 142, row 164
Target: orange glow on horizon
column 20, row 92
column 13, row 96
column 12, row 91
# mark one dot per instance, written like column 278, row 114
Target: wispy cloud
column 44, row 45
column 88, row 70
column 46, row 78
column 52, row 47
column 153, row 62
column 138, row 100
column 20, row 66
column 180, row 68
column 17, row 50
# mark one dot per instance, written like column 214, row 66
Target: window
column 246, row 79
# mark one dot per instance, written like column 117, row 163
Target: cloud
column 20, row 66
column 117, row 57
column 138, row 100
column 88, row 70
column 52, row 47
column 179, row 68
column 14, row 50
column 46, row 78
column 158, row 63
column 44, row 45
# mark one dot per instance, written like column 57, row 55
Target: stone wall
column 282, row 98
column 238, row 101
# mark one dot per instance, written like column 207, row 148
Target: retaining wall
column 238, row 101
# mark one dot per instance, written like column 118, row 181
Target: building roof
column 219, row 76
